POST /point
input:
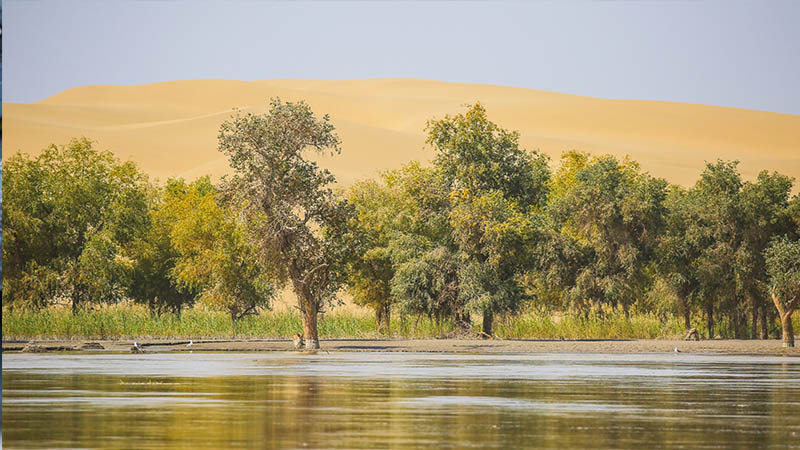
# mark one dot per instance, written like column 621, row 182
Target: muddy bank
column 743, row 347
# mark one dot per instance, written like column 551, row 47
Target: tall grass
column 575, row 326
column 133, row 321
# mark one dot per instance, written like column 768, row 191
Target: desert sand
column 170, row 128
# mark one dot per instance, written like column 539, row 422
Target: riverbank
column 722, row 346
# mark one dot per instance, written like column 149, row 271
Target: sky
column 732, row 53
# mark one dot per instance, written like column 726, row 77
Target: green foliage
column 793, row 211
column 494, row 191
column 420, row 246
column 715, row 233
column 609, row 215
column 676, row 254
column 69, row 217
column 782, row 259
column 216, row 256
column 475, row 154
column 427, row 284
column 377, row 211
column 154, row 256
column 765, row 207
column 496, row 241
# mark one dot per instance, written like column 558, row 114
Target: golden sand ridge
column 170, row 128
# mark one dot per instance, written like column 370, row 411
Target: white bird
column 136, row 348
column 676, row 350
column 190, row 343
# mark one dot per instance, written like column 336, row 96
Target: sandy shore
column 740, row 347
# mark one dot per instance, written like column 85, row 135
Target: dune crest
column 170, row 128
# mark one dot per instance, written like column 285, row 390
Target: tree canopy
column 69, row 217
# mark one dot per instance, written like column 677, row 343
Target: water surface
column 379, row 400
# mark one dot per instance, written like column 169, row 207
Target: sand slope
column 170, row 128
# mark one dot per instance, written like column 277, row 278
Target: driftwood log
column 692, row 335
column 33, row 348
column 92, row 346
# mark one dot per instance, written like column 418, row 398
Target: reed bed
column 134, row 321
column 575, row 326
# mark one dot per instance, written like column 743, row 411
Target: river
column 399, row 400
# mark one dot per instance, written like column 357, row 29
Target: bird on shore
column 136, row 348
column 298, row 340
column 190, row 343
column 676, row 350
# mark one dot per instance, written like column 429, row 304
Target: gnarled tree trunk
column 308, row 305
column 786, row 321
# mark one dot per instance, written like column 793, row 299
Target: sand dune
column 170, row 128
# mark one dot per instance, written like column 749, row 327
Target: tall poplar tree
column 298, row 221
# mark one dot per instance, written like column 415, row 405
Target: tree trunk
column 687, row 318
column 379, row 318
column 382, row 318
column 488, row 321
column 76, row 306
column 788, row 328
column 763, row 314
column 785, row 315
column 771, row 323
column 310, row 333
column 738, row 323
column 387, row 319
column 754, row 327
column 710, row 319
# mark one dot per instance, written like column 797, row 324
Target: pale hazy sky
column 743, row 54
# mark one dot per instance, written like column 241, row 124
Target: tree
column 379, row 211
column 496, row 242
column 782, row 260
column 793, row 211
column 495, row 190
column 428, row 284
column 765, row 205
column 217, row 256
column 475, row 154
column 715, row 232
column 612, row 215
column 153, row 282
column 421, row 247
column 676, row 255
column 292, row 212
column 70, row 215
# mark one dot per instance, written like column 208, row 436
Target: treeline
column 487, row 229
